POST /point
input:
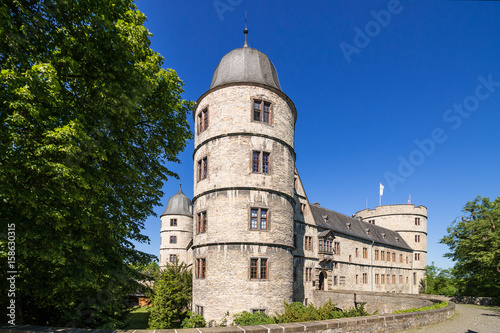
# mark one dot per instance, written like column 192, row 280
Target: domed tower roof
column 245, row 65
column 178, row 204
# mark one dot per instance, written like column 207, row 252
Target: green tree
column 88, row 119
column 172, row 296
column 474, row 243
column 438, row 281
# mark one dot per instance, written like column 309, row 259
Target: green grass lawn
column 138, row 318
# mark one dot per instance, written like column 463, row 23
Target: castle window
column 259, row 310
column 203, row 120
column 377, row 279
column 406, row 259
column 260, row 162
column 258, row 269
column 357, row 252
column 394, row 279
column 357, row 279
column 173, row 239
column 325, row 245
column 406, row 280
column 417, row 220
column 173, row 257
column 394, row 256
column 417, row 256
column 376, row 254
column 201, row 222
column 417, row 238
column 342, row 280
column 415, row 279
column 337, row 248
column 388, row 256
column 401, row 279
column 335, row 280
column 400, row 258
column 200, row 268
column 259, row 218
column 382, row 255
column 199, row 310
column 350, row 258
column 365, row 278
column 202, row 168
column 308, row 274
column 173, row 222
column 308, row 243
column 261, row 111
column 365, row 252
column 382, row 279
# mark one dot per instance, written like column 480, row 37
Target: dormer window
column 367, row 230
column 325, row 218
column 383, row 235
column 348, row 224
column 325, row 242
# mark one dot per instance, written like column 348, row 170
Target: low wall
column 374, row 301
column 369, row 324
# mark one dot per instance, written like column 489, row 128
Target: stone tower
column 411, row 223
column 243, row 189
column 176, row 229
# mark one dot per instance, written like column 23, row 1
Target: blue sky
column 403, row 93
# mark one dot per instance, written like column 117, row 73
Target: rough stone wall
column 227, row 286
column 184, row 233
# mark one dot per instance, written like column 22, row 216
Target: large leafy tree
column 474, row 243
column 88, row 120
column 438, row 281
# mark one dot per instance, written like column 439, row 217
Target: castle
column 250, row 232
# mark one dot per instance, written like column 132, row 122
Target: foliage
column 298, row 312
column 474, row 244
column 87, row 121
column 432, row 307
column 193, row 320
column 172, row 295
column 438, row 281
column 248, row 319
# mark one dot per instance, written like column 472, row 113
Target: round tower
column 176, row 229
column 411, row 223
column 243, row 189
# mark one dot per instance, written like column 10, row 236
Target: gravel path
column 467, row 319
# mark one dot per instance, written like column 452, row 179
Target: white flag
column 381, row 189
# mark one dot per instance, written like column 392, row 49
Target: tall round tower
column 411, row 223
column 243, row 189
column 176, row 229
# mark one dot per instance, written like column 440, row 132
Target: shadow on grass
column 138, row 318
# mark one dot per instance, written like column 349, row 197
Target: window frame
column 173, row 239
column 365, row 253
column 203, row 122
column 173, row 222
column 173, row 256
column 259, row 219
column 262, row 103
column 201, row 268
column 259, row 269
column 201, row 222
column 261, row 164
column 202, row 166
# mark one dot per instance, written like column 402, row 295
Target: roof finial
column 245, row 31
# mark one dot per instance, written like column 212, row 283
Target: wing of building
column 250, row 232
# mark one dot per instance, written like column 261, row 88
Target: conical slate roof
column 179, row 204
column 245, row 65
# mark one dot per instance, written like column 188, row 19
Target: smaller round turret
column 176, row 229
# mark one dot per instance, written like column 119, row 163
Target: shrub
column 248, row 319
column 193, row 320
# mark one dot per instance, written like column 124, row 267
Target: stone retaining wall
column 381, row 302
column 369, row 324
